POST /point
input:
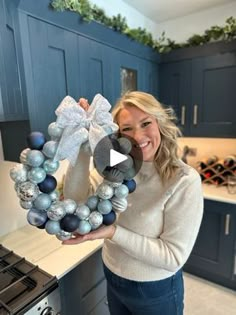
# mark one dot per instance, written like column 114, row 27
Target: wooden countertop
column 49, row 254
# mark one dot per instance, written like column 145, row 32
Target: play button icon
column 116, row 157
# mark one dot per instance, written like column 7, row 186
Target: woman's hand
column 83, row 102
column 101, row 233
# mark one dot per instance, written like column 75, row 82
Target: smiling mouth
column 142, row 145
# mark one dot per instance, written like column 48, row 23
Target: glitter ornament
column 105, row 191
column 109, row 218
column 50, row 166
column 36, row 140
column 104, row 206
column 84, row 227
column 52, row 227
column 37, row 175
column 42, row 202
column 36, row 217
column 69, row 205
column 92, row 202
column 119, row 204
column 63, row 235
column 27, row 191
column 19, row 173
column 50, row 148
column 48, row 185
column 82, row 212
column 95, row 219
column 56, row 212
column 34, row 158
column 69, row 223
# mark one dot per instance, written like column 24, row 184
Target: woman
column 146, row 248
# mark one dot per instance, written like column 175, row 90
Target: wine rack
column 216, row 173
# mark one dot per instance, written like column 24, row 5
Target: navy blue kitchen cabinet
column 199, row 84
column 13, row 105
column 83, row 289
column 213, row 255
column 175, row 91
column 64, row 56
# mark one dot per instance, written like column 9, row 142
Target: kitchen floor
column 206, row 298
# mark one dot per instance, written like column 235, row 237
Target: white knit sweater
column 155, row 235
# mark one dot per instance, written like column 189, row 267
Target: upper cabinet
column 201, row 89
column 13, row 105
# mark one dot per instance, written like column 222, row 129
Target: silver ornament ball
column 95, row 219
column 50, row 148
column 56, row 212
column 19, row 173
column 34, row 158
column 69, row 205
column 82, row 212
column 63, row 235
column 105, row 191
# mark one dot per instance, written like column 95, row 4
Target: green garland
column 118, row 23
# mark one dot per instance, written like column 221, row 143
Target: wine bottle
column 208, row 174
column 218, row 167
column 218, row 180
column 212, row 160
column 230, row 160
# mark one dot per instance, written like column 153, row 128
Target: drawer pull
column 227, row 223
column 183, row 115
column 195, row 109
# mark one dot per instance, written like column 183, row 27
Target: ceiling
column 164, row 10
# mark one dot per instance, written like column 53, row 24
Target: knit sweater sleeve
column 79, row 181
column 182, row 218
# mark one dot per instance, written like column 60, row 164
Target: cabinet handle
column 235, row 259
column 227, row 223
column 183, row 115
column 195, row 108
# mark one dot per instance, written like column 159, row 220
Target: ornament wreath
column 36, row 187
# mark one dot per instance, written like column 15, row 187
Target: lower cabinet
column 83, row 289
column 213, row 255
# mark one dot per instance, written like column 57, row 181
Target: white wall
column 179, row 29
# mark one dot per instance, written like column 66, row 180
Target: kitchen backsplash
column 206, row 147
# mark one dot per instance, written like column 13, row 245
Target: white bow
column 80, row 126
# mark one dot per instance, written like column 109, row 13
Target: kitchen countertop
column 49, row 254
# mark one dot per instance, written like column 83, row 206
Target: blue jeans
column 127, row 297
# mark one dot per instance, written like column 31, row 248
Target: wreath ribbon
column 80, row 126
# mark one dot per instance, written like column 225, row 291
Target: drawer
column 94, row 298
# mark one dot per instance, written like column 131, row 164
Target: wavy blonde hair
column 166, row 158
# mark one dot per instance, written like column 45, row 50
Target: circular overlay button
column 117, row 157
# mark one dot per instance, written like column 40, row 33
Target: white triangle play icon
column 116, row 157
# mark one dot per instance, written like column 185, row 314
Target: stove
column 25, row 288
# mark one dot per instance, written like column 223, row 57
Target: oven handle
column 49, row 311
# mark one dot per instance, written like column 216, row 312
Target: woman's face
column 141, row 127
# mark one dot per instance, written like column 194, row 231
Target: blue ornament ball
column 52, row 227
column 42, row 202
column 54, row 131
column 83, row 228
column 36, row 140
column 122, row 191
column 109, row 218
column 36, row 217
column 131, row 184
column 37, row 175
column 92, row 202
column 48, row 185
column 50, row 166
column 69, row 223
column 104, row 206
column 34, row 158
column 50, row 148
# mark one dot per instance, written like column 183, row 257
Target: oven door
column 47, row 305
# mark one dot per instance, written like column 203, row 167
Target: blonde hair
column 166, row 158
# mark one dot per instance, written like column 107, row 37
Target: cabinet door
column 175, row 91
column 51, row 67
column 213, row 96
column 97, row 75
column 13, row 104
column 213, row 253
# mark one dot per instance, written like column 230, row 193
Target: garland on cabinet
column 90, row 12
